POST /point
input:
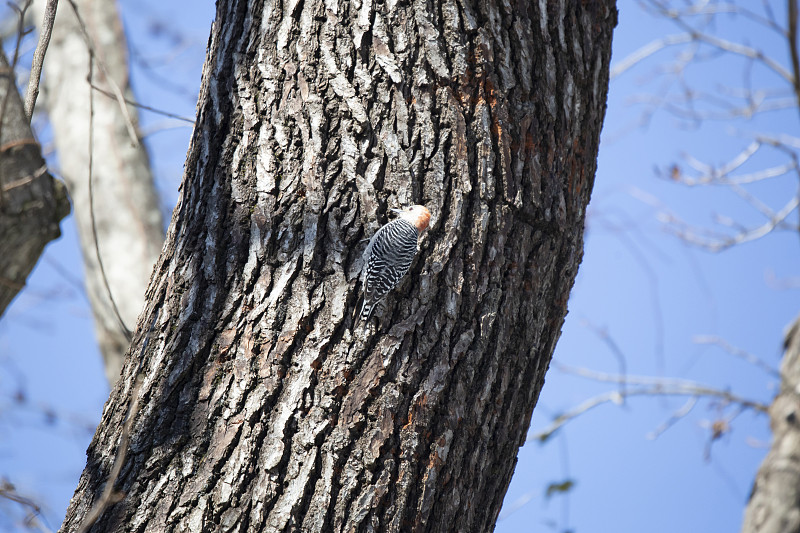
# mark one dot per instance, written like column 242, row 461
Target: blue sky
column 648, row 290
column 632, row 267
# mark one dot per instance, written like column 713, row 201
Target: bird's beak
column 398, row 211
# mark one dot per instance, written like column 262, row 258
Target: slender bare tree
column 253, row 402
column 127, row 231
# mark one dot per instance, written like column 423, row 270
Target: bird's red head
column 418, row 215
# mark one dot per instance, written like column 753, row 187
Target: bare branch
column 721, row 175
column 109, row 496
column 751, row 199
column 123, row 327
column 745, row 51
column 684, row 106
column 674, row 418
column 32, row 201
column 38, row 57
column 692, row 388
column 738, row 352
column 41, row 171
column 763, row 174
column 142, row 106
column 719, row 244
column 704, row 8
column 642, row 386
column 646, row 51
column 586, row 405
column 692, row 35
column 114, row 86
column 723, row 44
column 34, row 511
column 687, row 102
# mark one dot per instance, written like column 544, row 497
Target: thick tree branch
column 32, row 202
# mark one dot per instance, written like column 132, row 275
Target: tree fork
column 262, row 409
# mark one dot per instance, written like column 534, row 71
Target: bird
column 389, row 255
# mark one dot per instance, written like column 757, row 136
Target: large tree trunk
column 774, row 505
column 126, row 209
column 32, row 203
column 263, row 407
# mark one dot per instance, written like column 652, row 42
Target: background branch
column 45, row 32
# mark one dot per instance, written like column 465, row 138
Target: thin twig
column 658, row 318
column 718, row 245
column 114, row 86
column 674, row 418
column 738, row 352
column 602, row 333
column 38, row 57
column 721, row 175
column 728, row 46
column 109, row 496
column 142, row 106
column 643, row 386
column 646, row 51
column 684, row 104
column 25, row 179
column 704, row 8
column 683, row 387
column 125, row 330
column 9, row 492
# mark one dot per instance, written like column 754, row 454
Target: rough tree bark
column 126, row 208
column 774, row 505
column 32, row 202
column 262, row 408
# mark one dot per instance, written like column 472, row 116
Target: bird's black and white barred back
column 389, row 255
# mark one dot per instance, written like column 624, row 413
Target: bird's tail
column 362, row 313
column 366, row 311
column 368, row 303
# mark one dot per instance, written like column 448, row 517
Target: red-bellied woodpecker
column 389, row 254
